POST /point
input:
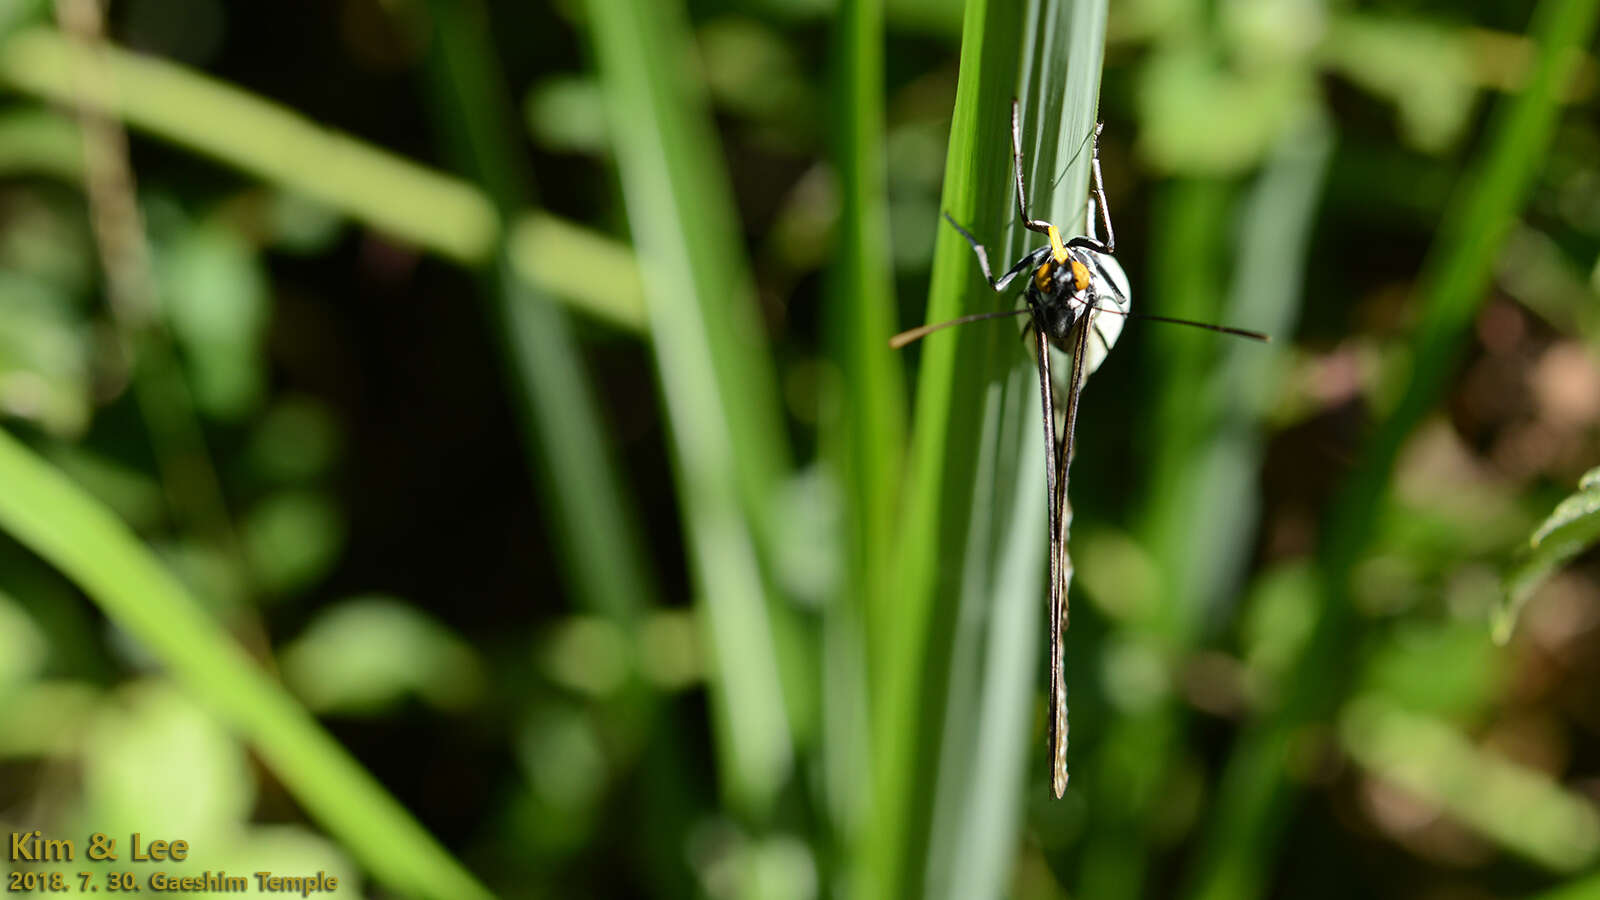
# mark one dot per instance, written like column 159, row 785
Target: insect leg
column 1093, row 242
column 1100, row 191
column 977, row 248
column 1027, row 262
column 1047, row 410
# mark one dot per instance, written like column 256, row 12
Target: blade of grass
column 872, row 402
column 593, row 518
column 958, row 663
column 442, row 214
column 1255, row 797
column 399, row 197
column 1192, row 237
column 1518, row 807
column 989, row 735
column 49, row 515
column 595, row 525
column 990, row 658
column 943, row 459
column 908, row 716
column 730, row 450
column 1277, row 219
column 864, row 438
column 559, row 258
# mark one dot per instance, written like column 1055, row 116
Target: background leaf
column 1573, row 526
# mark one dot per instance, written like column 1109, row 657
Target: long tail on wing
column 1061, row 561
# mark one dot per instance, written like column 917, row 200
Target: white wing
column 1111, row 288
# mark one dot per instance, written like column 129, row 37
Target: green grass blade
column 442, row 214
column 716, row 374
column 392, row 194
column 1254, row 798
column 990, row 707
column 1517, row 806
column 871, row 431
column 592, row 520
column 559, row 258
column 49, row 515
column 863, row 439
column 967, row 614
column 1277, row 218
column 907, row 711
column 1189, row 243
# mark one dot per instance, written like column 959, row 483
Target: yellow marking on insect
column 1080, row 276
column 1041, row 275
column 1057, row 249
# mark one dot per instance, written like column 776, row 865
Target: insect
column 1070, row 284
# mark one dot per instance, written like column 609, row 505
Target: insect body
column 1066, row 281
column 1076, row 297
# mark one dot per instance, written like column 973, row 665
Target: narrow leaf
column 49, row 515
column 1573, row 527
column 716, row 375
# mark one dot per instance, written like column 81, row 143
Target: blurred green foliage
column 511, row 491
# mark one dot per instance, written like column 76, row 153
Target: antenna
column 1075, row 154
column 1238, row 332
column 922, row 331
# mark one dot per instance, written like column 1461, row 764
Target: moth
column 1076, row 297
